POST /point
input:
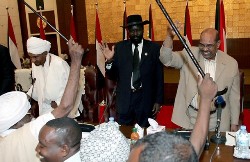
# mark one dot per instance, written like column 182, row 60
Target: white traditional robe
column 19, row 145
column 50, row 82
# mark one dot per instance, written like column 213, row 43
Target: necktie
column 136, row 69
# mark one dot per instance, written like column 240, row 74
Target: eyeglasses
column 209, row 46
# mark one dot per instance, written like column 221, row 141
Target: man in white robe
column 50, row 74
column 18, row 136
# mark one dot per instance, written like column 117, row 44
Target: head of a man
column 163, row 147
column 13, row 110
column 135, row 27
column 209, row 43
column 38, row 49
column 59, row 139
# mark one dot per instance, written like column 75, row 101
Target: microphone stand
column 218, row 138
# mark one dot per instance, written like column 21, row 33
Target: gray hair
column 165, row 147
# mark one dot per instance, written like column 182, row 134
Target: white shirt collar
column 74, row 158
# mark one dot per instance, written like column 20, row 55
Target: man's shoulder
column 227, row 57
column 123, row 42
column 57, row 60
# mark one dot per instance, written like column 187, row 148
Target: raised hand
column 207, row 87
column 108, row 54
column 170, row 32
column 75, row 51
column 168, row 42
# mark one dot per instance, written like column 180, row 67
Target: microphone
column 218, row 138
column 219, row 104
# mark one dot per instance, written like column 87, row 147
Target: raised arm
column 68, row 98
column 207, row 90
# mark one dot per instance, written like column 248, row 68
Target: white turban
column 37, row 46
column 13, row 107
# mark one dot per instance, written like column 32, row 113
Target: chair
column 164, row 117
column 23, row 79
column 110, row 96
column 89, row 99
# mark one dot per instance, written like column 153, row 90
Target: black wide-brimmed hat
column 135, row 20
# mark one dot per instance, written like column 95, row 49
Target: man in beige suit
column 222, row 68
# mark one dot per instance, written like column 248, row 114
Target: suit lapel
column 220, row 65
column 128, row 56
column 145, row 51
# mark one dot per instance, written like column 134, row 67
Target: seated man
column 18, row 136
column 166, row 147
column 59, row 140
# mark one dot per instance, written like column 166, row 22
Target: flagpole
column 124, row 4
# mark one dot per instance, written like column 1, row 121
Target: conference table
column 223, row 153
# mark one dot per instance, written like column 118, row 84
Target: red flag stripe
column 13, row 45
column 72, row 27
column 42, row 33
column 99, row 55
column 187, row 28
column 222, row 28
column 98, row 29
column 11, row 31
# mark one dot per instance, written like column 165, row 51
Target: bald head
column 211, row 32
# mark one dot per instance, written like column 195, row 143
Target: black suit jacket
column 7, row 79
column 151, row 72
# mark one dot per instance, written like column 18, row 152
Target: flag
column 42, row 33
column 187, row 28
column 151, row 26
column 100, row 57
column 220, row 24
column 13, row 45
column 72, row 26
column 125, row 30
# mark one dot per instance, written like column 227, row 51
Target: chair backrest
column 23, row 79
column 110, row 96
column 89, row 99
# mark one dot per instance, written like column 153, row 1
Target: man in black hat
column 135, row 65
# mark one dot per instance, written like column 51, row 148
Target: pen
column 231, row 135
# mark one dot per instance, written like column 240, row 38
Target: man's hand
column 75, row 51
column 53, row 104
column 156, row 108
column 170, row 35
column 207, row 87
column 108, row 54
